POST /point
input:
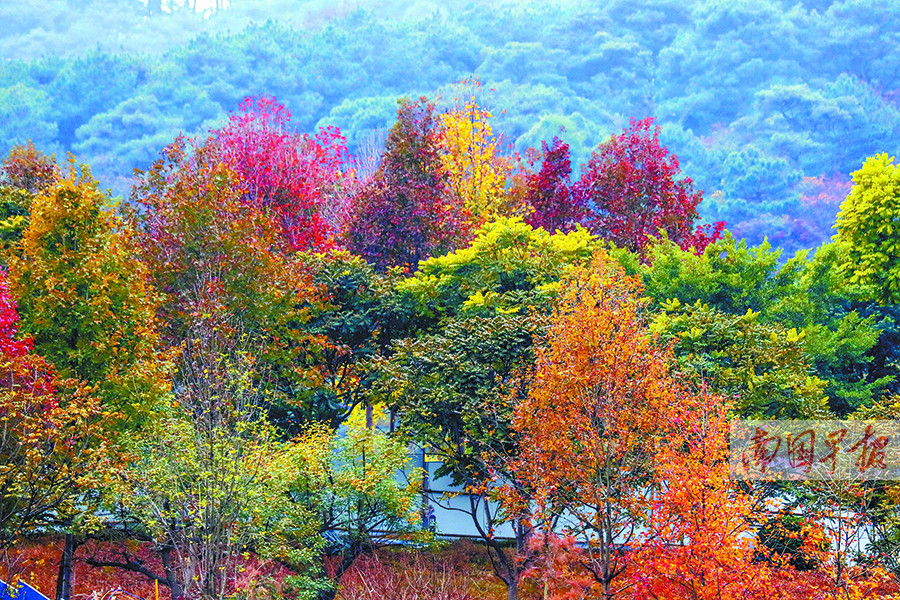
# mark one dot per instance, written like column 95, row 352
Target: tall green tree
column 869, row 224
column 838, row 336
column 359, row 316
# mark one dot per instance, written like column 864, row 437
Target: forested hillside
column 769, row 105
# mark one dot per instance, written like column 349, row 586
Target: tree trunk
column 512, row 590
column 346, row 562
column 504, row 567
column 64, row 579
column 171, row 579
column 328, row 594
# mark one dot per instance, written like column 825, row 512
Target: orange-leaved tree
column 698, row 542
column 600, row 386
column 632, row 458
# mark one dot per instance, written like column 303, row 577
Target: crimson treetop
column 633, row 190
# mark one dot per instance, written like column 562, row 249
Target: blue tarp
column 24, row 592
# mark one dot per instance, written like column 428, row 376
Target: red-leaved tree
column 403, row 215
column 298, row 176
column 633, row 190
column 548, row 191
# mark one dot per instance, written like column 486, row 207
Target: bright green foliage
column 869, row 225
column 734, row 277
column 349, row 481
column 86, row 299
column 852, row 342
column 508, row 265
column 729, row 275
column 764, row 365
column 847, row 341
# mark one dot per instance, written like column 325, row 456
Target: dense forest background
column 769, row 105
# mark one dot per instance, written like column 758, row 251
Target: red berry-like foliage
column 10, row 347
column 20, row 368
column 703, row 236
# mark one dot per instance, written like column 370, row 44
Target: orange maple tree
column 600, row 387
column 698, row 542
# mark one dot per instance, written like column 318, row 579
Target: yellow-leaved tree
column 869, row 225
column 471, row 159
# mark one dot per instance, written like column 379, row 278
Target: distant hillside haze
column 768, row 105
